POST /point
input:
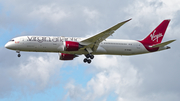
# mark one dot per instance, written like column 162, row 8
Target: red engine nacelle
column 64, row 56
column 71, row 46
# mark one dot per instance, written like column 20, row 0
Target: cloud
column 119, row 77
column 50, row 13
column 34, row 74
column 128, row 78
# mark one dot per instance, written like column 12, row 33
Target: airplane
column 71, row 47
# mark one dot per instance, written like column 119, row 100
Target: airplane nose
column 11, row 45
column 7, row 45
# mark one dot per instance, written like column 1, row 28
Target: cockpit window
column 12, row 40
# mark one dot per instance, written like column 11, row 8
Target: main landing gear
column 88, row 58
column 19, row 55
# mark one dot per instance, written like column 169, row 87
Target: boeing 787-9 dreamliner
column 71, row 47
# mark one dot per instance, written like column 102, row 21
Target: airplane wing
column 91, row 44
column 162, row 44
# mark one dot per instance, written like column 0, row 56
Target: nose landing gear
column 19, row 55
column 88, row 58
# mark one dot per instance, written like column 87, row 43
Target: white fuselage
column 54, row 44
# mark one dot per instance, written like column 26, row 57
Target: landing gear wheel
column 92, row 56
column 87, row 55
column 89, row 61
column 88, row 58
column 85, row 60
column 19, row 55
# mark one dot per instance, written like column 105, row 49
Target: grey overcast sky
column 41, row 76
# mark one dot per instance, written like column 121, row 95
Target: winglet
column 115, row 27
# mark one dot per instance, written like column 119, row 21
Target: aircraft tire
column 89, row 61
column 85, row 60
column 19, row 55
column 87, row 55
column 92, row 56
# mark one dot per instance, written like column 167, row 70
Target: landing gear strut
column 19, row 55
column 88, row 58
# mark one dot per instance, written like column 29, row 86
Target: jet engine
column 63, row 56
column 70, row 46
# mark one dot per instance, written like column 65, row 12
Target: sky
column 42, row 76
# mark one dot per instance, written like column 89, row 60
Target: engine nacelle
column 71, row 46
column 63, row 56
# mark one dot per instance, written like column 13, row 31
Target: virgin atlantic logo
column 155, row 37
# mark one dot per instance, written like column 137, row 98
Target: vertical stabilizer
column 157, row 34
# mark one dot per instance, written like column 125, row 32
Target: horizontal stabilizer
column 162, row 44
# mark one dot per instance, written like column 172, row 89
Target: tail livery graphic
column 157, row 34
column 155, row 37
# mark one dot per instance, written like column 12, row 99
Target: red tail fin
column 157, row 34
